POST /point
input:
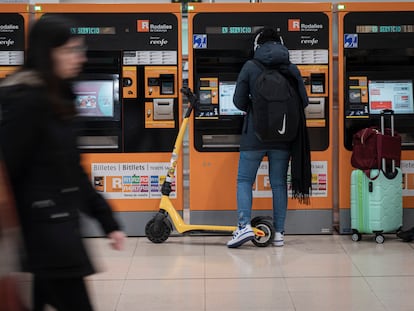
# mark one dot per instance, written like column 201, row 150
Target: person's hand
column 117, row 240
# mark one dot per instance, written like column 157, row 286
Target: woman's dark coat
column 48, row 182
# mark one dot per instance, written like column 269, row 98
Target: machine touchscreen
column 96, row 98
column 226, row 106
column 391, row 94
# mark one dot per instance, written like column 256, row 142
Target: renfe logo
column 293, row 24
column 143, row 25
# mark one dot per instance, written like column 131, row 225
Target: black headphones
column 256, row 45
column 256, row 39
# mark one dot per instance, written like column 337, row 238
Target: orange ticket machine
column 128, row 103
column 220, row 42
column 14, row 21
column 376, row 71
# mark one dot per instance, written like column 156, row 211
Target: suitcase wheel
column 356, row 236
column 379, row 238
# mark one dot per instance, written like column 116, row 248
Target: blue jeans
column 249, row 163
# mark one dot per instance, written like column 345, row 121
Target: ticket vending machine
column 128, row 103
column 220, row 42
column 14, row 20
column 376, row 71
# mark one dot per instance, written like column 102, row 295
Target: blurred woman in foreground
column 50, row 187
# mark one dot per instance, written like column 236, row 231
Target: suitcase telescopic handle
column 387, row 111
column 390, row 113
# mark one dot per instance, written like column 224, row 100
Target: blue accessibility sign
column 199, row 41
column 350, row 41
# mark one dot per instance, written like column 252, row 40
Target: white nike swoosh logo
column 283, row 129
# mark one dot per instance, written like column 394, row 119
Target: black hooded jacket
column 269, row 54
column 49, row 184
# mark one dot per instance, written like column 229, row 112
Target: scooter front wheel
column 158, row 229
column 266, row 225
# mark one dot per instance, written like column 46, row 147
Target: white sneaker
column 241, row 236
column 279, row 239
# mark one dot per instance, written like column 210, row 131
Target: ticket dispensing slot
column 163, row 109
column 316, row 108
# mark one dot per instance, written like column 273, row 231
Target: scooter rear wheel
column 266, row 225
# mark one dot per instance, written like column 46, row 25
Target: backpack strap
column 258, row 64
column 283, row 70
column 262, row 67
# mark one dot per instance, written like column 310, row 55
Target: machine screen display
column 95, row 98
column 391, row 94
column 226, row 92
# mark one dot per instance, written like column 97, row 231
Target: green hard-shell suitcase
column 376, row 203
column 376, row 200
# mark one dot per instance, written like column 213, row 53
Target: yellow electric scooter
column 159, row 228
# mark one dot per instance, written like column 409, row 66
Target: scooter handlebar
column 192, row 98
column 186, row 91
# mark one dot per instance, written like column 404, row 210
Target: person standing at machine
column 48, row 183
column 270, row 51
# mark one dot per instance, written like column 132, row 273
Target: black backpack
column 276, row 105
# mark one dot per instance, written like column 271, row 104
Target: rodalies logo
column 311, row 27
column 8, row 28
column 297, row 25
column 294, row 24
column 144, row 25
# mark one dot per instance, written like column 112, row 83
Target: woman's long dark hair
column 49, row 32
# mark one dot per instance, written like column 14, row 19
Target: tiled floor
column 200, row 273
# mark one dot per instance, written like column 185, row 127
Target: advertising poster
column 261, row 188
column 407, row 168
column 130, row 180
